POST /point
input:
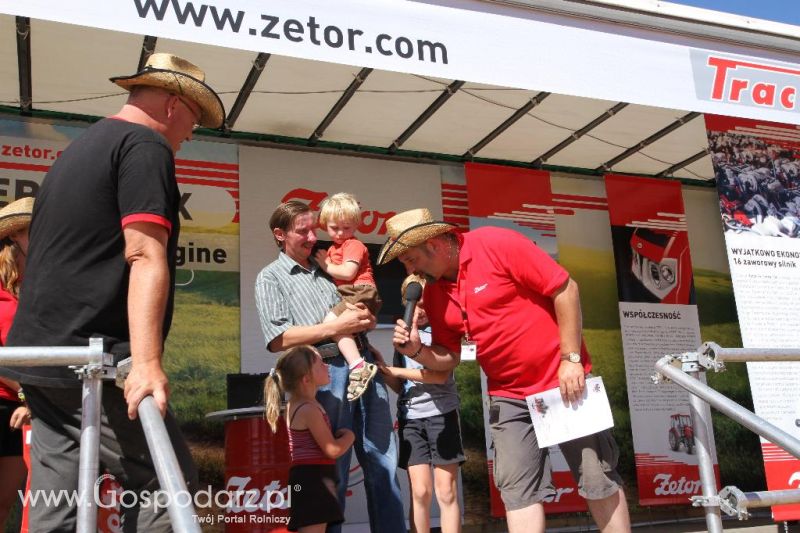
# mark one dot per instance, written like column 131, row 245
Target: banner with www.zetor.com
column 660, row 69
column 658, row 316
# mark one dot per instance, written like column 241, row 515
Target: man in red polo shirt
column 497, row 293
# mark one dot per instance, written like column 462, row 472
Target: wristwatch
column 572, row 357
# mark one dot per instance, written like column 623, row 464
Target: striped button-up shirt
column 287, row 294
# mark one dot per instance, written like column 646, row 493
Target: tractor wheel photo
column 674, row 441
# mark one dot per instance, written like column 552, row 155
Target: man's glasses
column 191, row 110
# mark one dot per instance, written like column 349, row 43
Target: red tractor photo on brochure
column 681, row 433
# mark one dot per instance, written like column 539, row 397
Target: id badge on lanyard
column 469, row 350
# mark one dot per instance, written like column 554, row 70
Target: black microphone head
column 413, row 292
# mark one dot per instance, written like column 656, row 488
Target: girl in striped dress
column 312, row 446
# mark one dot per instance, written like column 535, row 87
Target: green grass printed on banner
column 203, row 346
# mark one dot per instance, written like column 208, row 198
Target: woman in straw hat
column 15, row 219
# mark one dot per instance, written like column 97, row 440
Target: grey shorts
column 522, row 471
column 433, row 440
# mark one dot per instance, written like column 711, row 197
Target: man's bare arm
column 434, row 357
column 148, row 290
column 567, row 304
column 421, row 375
column 344, row 272
column 354, row 319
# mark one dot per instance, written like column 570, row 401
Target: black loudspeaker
column 245, row 390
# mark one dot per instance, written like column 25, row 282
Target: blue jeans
column 376, row 449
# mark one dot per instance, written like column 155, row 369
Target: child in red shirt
column 347, row 262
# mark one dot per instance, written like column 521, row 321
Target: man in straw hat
column 293, row 296
column 496, row 295
column 101, row 263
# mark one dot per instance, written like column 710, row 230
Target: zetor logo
column 794, row 479
column 243, row 498
column 371, row 221
column 665, row 486
column 748, row 82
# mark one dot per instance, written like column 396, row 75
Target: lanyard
column 460, row 299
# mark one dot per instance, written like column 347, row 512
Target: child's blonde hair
column 409, row 279
column 292, row 367
column 341, row 206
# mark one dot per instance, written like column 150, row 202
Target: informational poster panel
column 757, row 166
column 526, row 206
column 658, row 316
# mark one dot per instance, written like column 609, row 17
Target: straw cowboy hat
column 409, row 229
column 178, row 76
column 15, row 216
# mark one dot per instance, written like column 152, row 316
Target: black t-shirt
column 76, row 278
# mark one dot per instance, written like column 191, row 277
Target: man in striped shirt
column 293, row 295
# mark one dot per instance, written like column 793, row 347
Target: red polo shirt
column 505, row 286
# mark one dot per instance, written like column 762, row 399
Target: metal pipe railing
column 728, row 407
column 93, row 366
column 181, row 514
column 744, row 355
column 753, row 500
column 703, row 429
column 92, row 361
column 52, row 356
column 89, row 462
column 684, row 371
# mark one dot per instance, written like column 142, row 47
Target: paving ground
column 750, row 526
column 576, row 524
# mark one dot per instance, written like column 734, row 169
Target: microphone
column 413, row 295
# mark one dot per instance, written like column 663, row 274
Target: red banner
column 657, row 316
column 522, row 200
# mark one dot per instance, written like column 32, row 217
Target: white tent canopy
column 591, row 82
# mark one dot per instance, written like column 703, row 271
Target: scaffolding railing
column 684, row 370
column 92, row 366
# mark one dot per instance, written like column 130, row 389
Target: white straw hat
column 15, row 216
column 409, row 229
column 179, row 76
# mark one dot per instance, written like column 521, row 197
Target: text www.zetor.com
column 308, row 30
